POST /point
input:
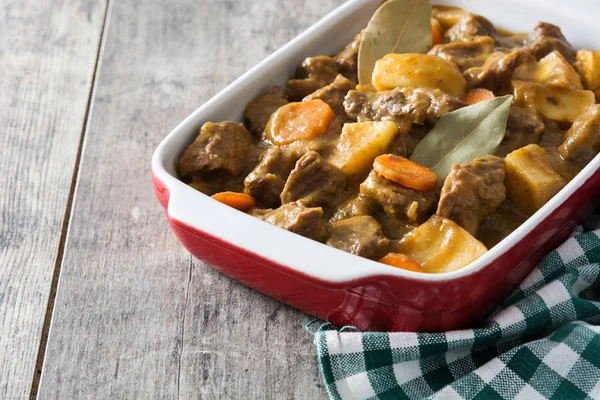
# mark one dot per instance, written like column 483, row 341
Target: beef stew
column 306, row 155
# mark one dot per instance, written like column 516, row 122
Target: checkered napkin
column 542, row 343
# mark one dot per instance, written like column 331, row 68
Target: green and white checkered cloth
column 542, row 343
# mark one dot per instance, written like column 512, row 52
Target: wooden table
column 97, row 297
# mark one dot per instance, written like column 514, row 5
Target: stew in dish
column 420, row 150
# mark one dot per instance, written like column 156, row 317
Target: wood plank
column 48, row 53
column 135, row 316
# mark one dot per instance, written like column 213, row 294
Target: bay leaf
column 463, row 135
column 398, row 26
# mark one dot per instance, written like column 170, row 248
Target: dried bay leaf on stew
column 398, row 26
column 463, row 135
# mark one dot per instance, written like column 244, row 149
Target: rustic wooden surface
column 134, row 316
column 48, row 52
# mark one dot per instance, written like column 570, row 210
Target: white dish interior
column 578, row 19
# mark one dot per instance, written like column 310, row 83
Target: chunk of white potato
column 418, row 70
column 530, row 179
column 448, row 15
column 555, row 70
column 441, row 245
column 588, row 66
column 555, row 103
column 360, row 143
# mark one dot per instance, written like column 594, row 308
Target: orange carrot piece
column 405, row 172
column 401, row 261
column 436, row 32
column 239, row 201
column 297, row 121
column 476, row 95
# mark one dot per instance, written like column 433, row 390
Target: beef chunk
column 404, row 106
column 524, row 127
column 265, row 183
column 297, row 218
column 218, row 147
column 311, row 75
column 508, row 43
column 398, row 201
column 546, row 38
column 405, row 142
column 259, row 110
column 583, row 139
column 361, row 236
column 315, row 182
column 347, row 59
column 469, row 26
column 497, row 72
column 472, row 192
column 355, row 207
column 362, row 205
column 466, row 53
column 333, row 94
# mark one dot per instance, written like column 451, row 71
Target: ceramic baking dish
column 337, row 286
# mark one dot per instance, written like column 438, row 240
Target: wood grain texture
column 48, row 52
column 135, row 315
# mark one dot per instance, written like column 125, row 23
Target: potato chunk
column 448, row 16
column 440, row 245
column 588, row 66
column 418, row 70
column 530, row 179
column 555, row 103
column 360, row 143
column 555, row 70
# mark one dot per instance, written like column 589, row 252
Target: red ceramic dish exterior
column 392, row 303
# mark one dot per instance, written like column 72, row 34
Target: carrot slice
column 297, row 121
column 476, row 95
column 239, row 201
column 401, row 261
column 405, row 172
column 436, row 32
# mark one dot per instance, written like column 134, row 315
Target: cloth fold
column 543, row 342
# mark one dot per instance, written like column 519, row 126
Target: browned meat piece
column 347, row 59
column 260, row 109
column 546, row 38
column 265, row 183
column 405, row 142
column 333, row 94
column 524, row 127
column 404, row 106
column 311, row 75
column 218, row 147
column 507, row 43
column 469, row 26
column 355, row 207
column 466, row 53
column 472, row 192
column 394, row 228
column 497, row 72
column 315, row 182
column 361, row 236
column 583, row 139
column 398, row 201
column 210, row 185
column 297, row 218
